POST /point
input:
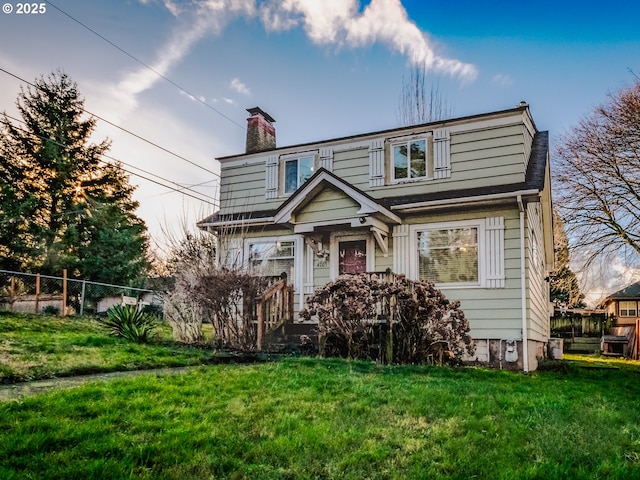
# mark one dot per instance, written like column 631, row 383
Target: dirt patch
column 17, row 391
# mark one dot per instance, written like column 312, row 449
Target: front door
column 352, row 257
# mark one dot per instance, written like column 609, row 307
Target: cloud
column 195, row 21
column 502, row 80
column 239, row 87
column 339, row 22
column 326, row 22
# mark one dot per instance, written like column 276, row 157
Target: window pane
column 305, row 169
column 290, row 176
column 448, row 255
column 272, row 258
column 628, row 309
column 418, row 159
column 400, row 161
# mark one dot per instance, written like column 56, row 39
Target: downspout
column 523, row 289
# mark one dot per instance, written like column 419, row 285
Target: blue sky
column 322, row 69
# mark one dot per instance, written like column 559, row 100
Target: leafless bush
column 204, row 292
column 398, row 321
column 229, row 297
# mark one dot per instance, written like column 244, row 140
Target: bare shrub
column 201, row 292
column 399, row 321
column 229, row 299
column 185, row 316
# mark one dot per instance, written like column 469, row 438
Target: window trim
column 620, row 302
column 429, row 161
column 479, row 224
column 346, row 236
column 297, row 254
column 284, row 159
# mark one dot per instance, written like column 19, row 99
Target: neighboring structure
column 622, row 306
column 465, row 203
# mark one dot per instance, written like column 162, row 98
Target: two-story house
column 464, row 203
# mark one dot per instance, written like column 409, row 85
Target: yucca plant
column 129, row 322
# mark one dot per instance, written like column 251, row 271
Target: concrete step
column 582, row 344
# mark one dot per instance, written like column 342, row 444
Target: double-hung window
column 272, row 258
column 410, row 160
column 628, row 309
column 449, row 255
column 297, row 171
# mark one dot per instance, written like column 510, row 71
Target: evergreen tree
column 563, row 281
column 61, row 205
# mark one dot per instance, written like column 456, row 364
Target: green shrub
column 50, row 310
column 129, row 322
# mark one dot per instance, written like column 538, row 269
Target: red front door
column 353, row 257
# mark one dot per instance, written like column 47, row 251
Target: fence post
column 64, row 292
column 37, row 292
column 261, row 307
column 84, row 283
column 12, row 292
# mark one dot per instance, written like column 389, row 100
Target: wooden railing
column 274, row 308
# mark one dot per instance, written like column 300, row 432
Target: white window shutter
column 441, row 153
column 271, row 177
column 308, row 270
column 494, row 241
column 376, row 163
column 326, row 159
column 401, row 249
column 231, row 252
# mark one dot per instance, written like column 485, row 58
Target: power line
column 195, row 97
column 120, row 128
column 180, row 190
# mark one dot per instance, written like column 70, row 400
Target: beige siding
column 537, row 287
column 383, row 263
column 353, row 166
column 328, row 205
column 492, row 313
column 242, row 189
column 479, row 158
column 491, row 153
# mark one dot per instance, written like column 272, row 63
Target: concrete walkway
column 17, row 391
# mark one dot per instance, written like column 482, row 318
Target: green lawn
column 324, row 419
column 37, row 347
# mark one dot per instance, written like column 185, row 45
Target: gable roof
column 322, row 179
column 630, row 291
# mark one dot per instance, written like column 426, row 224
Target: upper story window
column 628, row 309
column 297, row 171
column 410, row 160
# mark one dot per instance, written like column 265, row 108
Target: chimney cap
column 262, row 113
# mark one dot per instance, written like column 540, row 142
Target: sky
column 176, row 77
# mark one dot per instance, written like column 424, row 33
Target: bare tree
column 597, row 175
column 421, row 100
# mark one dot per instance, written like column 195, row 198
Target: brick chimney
column 261, row 134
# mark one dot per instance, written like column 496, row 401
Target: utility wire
column 195, row 97
column 120, row 128
column 180, row 190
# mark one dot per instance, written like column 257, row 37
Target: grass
column 334, row 419
column 38, row 347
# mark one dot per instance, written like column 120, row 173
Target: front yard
column 36, row 347
column 325, row 418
